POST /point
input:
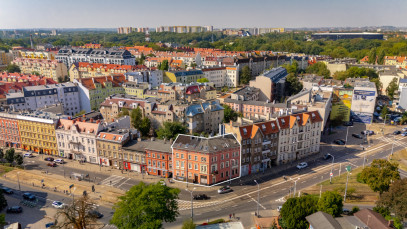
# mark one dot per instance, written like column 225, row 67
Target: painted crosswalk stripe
column 112, row 180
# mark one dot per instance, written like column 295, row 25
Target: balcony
column 265, row 151
column 266, row 142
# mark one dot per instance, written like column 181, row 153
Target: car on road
column 327, row 156
column 58, row 204
column 7, row 190
column 339, row 142
column 404, row 134
column 348, row 123
column 367, row 132
column 28, row 155
column 14, row 209
column 59, row 161
column 404, row 129
column 49, row 159
column 279, row 208
column 224, row 189
column 346, row 211
column 397, row 132
column 302, row 165
column 29, row 196
column 52, row 164
column 201, row 197
column 357, row 136
column 96, row 214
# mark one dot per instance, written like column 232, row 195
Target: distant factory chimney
column 31, row 41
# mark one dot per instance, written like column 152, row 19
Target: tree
column 202, row 80
column 3, row 201
column 136, row 117
column 1, row 155
column 396, row 198
column 188, row 224
column 164, row 65
column 379, row 84
column 245, row 75
column 12, row 68
column 318, row 68
column 35, row 73
column 380, row 57
column 146, row 206
column 171, row 130
column 393, row 86
column 18, row 159
column 9, row 155
column 296, row 209
column 145, row 126
column 124, row 112
column 82, row 112
column 372, row 56
column 384, row 112
column 331, row 203
column 293, row 85
column 229, row 114
column 3, row 220
column 380, row 174
column 77, row 215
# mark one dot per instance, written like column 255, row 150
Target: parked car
column 279, row 208
column 302, row 165
column 52, row 164
column 96, row 214
column 14, row 209
column 224, row 189
column 58, row 204
column 7, row 190
column 49, row 159
column 367, row 132
column 28, row 155
column 346, row 211
column 327, row 156
column 29, row 196
column 404, row 129
column 357, row 136
column 397, row 132
column 59, row 161
column 404, row 134
column 339, row 142
column 201, row 197
column 348, row 123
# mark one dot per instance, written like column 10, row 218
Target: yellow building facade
column 37, row 55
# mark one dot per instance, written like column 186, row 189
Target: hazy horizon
column 48, row 14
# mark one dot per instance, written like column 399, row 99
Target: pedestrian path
column 397, row 140
column 113, row 180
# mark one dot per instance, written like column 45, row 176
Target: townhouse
column 80, row 70
column 9, row 130
column 53, row 69
column 109, row 146
column 204, row 117
column 199, row 91
column 153, row 77
column 182, row 76
column 271, row 84
column 137, row 90
column 249, row 108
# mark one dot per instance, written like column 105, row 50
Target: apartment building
column 80, row 70
column 182, row 76
column 153, row 77
column 53, row 69
column 250, row 108
column 199, row 91
column 134, row 89
column 204, row 117
column 77, row 139
column 37, row 55
column 9, row 130
column 171, row 91
column 271, row 84
column 215, row 75
column 109, row 146
column 93, row 91
column 206, row 161
column 158, row 157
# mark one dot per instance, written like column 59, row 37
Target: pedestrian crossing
column 397, row 140
column 113, row 180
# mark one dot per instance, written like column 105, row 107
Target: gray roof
column 256, row 103
column 322, row 220
column 403, row 80
column 301, row 93
column 205, row 145
column 187, row 73
column 276, row 74
column 200, row 108
column 350, row 222
column 141, row 146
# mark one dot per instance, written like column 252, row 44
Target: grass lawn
column 401, row 158
column 358, row 193
column 5, row 169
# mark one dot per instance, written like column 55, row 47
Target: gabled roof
column 81, row 127
column 372, row 219
column 90, row 83
column 246, row 131
column 322, row 220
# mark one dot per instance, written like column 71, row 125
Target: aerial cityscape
column 203, row 115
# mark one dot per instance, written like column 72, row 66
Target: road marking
column 257, row 202
column 124, row 182
column 112, row 180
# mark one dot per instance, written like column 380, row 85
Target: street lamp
column 192, row 203
column 392, row 145
column 230, row 170
column 18, row 179
column 258, row 197
column 346, row 187
column 331, row 174
column 295, row 185
column 347, row 132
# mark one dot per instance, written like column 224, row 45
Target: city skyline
column 259, row 13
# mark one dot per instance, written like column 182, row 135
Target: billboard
column 341, row 104
column 363, row 101
column 362, row 117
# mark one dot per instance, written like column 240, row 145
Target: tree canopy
column 319, row 68
column 245, row 75
column 145, row 126
column 393, row 86
column 77, row 215
column 146, row 206
column 202, row 80
column 170, row 130
column 293, row 85
column 12, row 68
column 331, row 203
column 380, row 174
column 229, row 114
column 396, row 198
column 296, row 209
column 164, row 65
column 136, row 117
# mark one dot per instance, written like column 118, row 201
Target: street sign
column 348, row 168
column 331, row 174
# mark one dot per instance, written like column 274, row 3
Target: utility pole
column 258, row 197
column 346, row 187
column 320, row 192
column 18, row 179
column 192, row 203
column 392, row 145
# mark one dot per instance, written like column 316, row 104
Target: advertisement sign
column 366, row 118
column 363, row 101
column 341, row 104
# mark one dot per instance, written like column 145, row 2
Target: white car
column 404, row 129
column 28, row 155
column 302, row 165
column 58, row 204
column 59, row 161
column 162, row 183
column 279, row 208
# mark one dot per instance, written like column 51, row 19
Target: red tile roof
column 116, row 80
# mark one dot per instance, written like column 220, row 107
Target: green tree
column 245, row 75
column 372, row 56
column 164, row 65
column 380, row 57
column 384, row 112
column 393, row 86
column 3, row 220
column 1, row 155
column 331, row 203
column 293, row 84
column 146, row 206
column 396, row 198
column 318, row 68
column 3, row 201
column 141, row 59
column 296, row 209
column 171, row 130
column 188, row 224
column 12, row 68
column 123, row 112
column 82, row 112
column 10, row 155
column 136, row 116
column 202, row 80
column 18, row 159
column 379, row 84
column 35, row 73
column 380, row 174
column 145, row 126
column 292, row 68
column 229, row 114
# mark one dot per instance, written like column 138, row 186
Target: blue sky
column 219, row 13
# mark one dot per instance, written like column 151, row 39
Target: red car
column 52, row 164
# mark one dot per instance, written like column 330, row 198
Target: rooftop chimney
column 171, row 141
